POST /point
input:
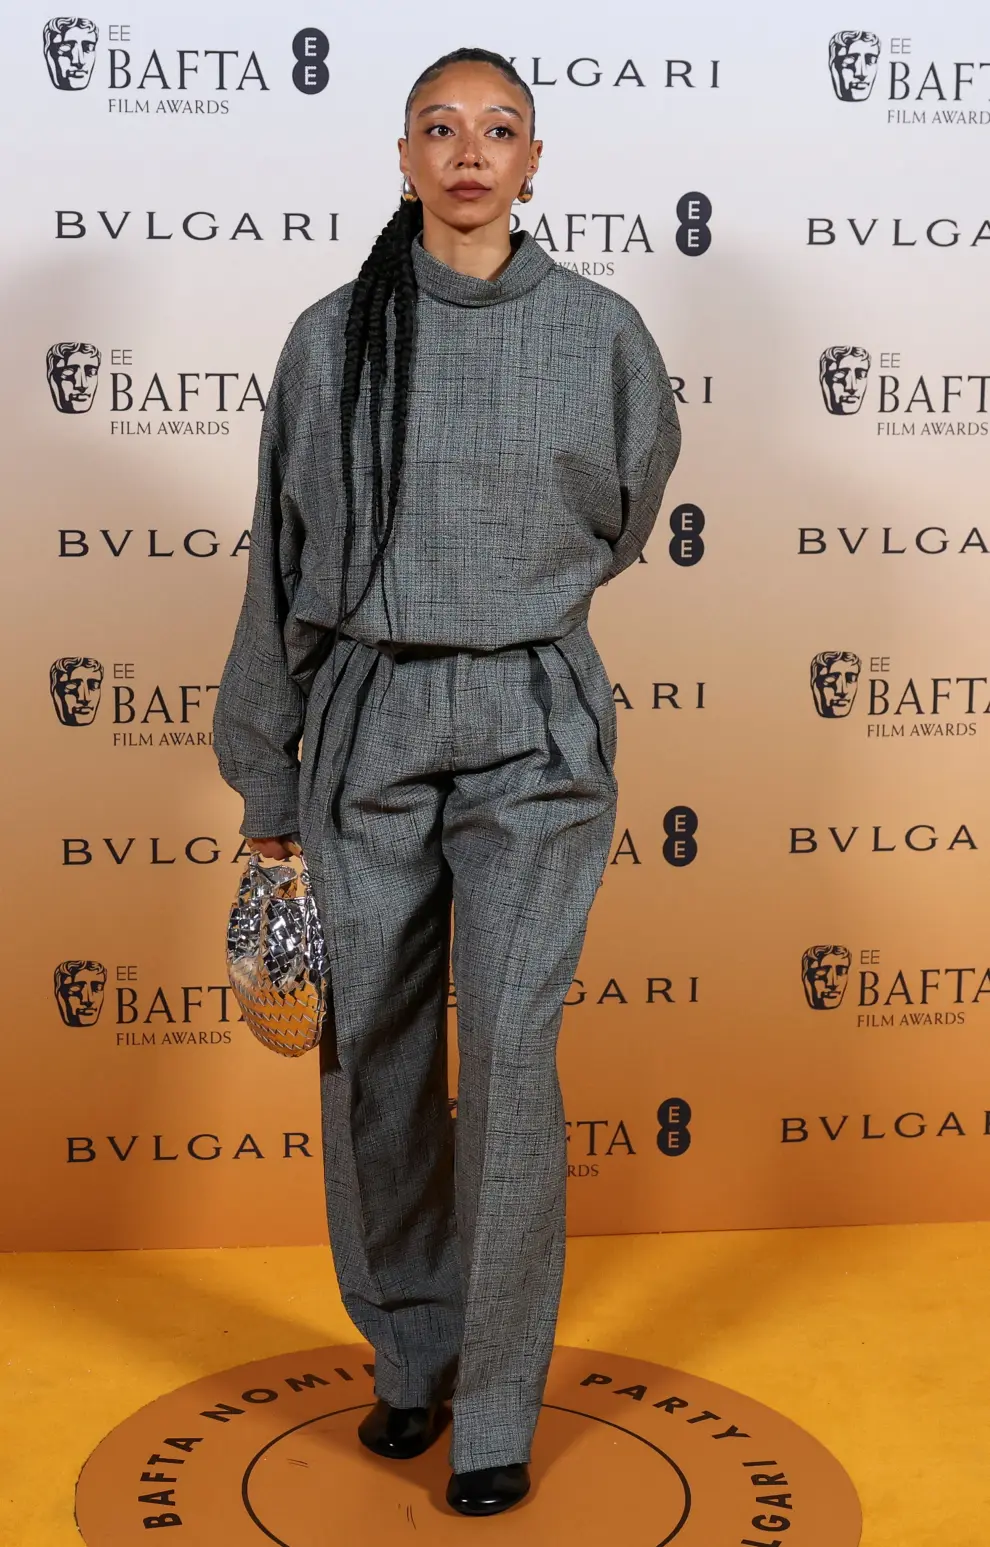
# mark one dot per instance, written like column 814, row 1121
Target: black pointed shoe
column 489, row 1491
column 400, row 1432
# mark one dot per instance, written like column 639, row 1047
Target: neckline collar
column 528, row 265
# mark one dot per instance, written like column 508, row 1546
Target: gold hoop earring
column 409, row 194
column 526, row 192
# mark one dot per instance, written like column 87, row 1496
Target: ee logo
column 674, row 1126
column 310, row 74
column 693, row 236
column 687, row 546
column 680, row 846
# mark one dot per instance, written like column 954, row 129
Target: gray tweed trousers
column 433, row 780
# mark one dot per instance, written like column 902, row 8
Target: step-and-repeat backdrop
column 782, row 1011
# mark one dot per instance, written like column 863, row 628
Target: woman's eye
column 443, row 130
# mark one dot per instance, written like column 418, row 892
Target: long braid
column 377, row 338
column 387, row 276
column 405, row 325
column 365, row 338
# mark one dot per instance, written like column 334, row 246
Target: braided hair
column 387, row 275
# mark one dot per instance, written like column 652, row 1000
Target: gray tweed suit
column 457, row 753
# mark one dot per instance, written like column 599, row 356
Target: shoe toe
column 399, row 1433
column 488, row 1491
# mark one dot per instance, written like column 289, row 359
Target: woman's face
column 469, row 149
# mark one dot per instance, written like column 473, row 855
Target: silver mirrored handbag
column 276, row 957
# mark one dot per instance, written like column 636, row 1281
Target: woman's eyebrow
column 450, row 107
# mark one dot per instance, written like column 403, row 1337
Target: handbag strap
column 255, row 863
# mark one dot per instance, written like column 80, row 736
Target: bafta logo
column 825, row 973
column 73, row 372
column 834, row 681
column 852, row 63
column 70, row 51
column 843, row 372
column 76, row 684
column 79, row 989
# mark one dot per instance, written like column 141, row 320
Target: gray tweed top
column 541, row 432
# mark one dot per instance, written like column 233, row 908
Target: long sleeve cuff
column 271, row 805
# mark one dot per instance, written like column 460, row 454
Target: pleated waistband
column 397, row 651
column 346, row 680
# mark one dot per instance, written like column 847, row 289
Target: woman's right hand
column 274, row 848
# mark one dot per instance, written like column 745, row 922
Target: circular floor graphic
column 627, row 1453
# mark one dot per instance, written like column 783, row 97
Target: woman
column 458, row 448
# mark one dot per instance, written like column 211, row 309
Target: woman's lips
column 468, row 191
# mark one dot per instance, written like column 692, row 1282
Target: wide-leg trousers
column 479, row 784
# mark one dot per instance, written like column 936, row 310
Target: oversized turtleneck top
column 541, row 430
